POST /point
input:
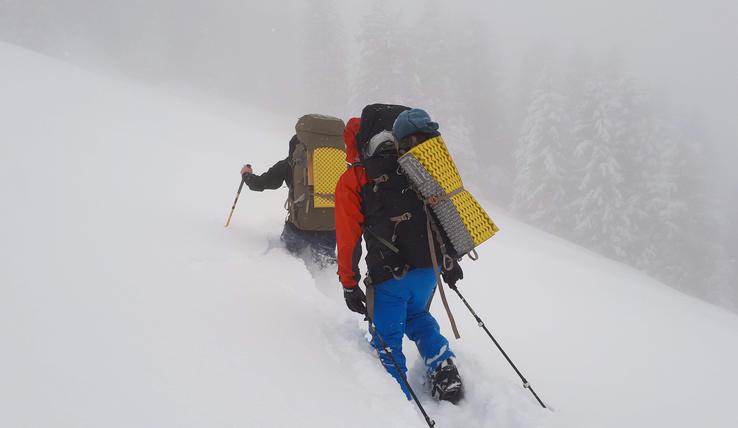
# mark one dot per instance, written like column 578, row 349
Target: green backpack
column 317, row 163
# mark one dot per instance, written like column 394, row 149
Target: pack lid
column 320, row 124
column 376, row 118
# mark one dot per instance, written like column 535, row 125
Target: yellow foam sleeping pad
column 435, row 158
column 328, row 165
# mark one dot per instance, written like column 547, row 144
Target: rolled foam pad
column 431, row 169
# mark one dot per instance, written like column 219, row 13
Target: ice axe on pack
column 238, row 193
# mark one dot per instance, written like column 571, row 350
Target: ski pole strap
column 437, row 271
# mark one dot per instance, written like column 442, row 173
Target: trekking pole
column 233, row 208
column 526, row 384
column 431, row 423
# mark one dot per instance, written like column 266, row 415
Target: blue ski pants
column 400, row 309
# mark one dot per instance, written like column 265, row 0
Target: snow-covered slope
column 124, row 302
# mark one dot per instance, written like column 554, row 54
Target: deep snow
column 124, row 302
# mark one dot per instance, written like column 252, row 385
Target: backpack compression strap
column 437, row 271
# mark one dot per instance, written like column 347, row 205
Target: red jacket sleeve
column 349, row 221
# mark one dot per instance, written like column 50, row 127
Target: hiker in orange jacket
column 402, row 280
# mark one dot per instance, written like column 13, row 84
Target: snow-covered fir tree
column 435, row 60
column 721, row 282
column 638, row 184
column 386, row 63
column 20, row 21
column 600, row 209
column 440, row 60
column 459, row 89
column 657, row 208
column 540, row 158
column 704, row 227
column 323, row 59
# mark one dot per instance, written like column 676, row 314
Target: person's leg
column 390, row 306
column 293, row 240
column 323, row 248
column 422, row 328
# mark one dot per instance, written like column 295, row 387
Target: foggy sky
column 682, row 48
column 683, row 45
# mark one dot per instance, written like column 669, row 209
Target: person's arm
column 272, row 179
column 349, row 221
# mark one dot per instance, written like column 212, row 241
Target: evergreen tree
column 440, row 62
column 31, row 25
column 529, row 77
column 540, row 158
column 324, row 59
column 435, row 61
column 458, row 87
column 386, row 66
column 601, row 213
column 658, row 210
column 703, row 226
column 721, row 282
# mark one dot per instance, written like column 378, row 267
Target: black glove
column 451, row 277
column 355, row 299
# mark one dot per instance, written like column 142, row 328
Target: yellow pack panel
column 476, row 220
column 434, row 156
column 328, row 165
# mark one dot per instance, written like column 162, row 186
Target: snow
column 125, row 302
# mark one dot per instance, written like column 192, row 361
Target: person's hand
column 355, row 299
column 451, row 277
column 247, row 169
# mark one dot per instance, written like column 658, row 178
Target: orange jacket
column 349, row 217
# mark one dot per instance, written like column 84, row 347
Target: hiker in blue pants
column 376, row 204
column 399, row 309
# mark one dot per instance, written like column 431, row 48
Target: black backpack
column 376, row 118
column 395, row 220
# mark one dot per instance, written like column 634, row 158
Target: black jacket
column 280, row 172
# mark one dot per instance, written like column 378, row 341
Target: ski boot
column 445, row 383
